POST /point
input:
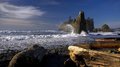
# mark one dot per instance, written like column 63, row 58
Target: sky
column 48, row 14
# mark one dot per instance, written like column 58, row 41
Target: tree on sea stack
column 106, row 28
column 80, row 24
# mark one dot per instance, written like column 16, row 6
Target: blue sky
column 48, row 14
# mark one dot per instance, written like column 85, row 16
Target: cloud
column 22, row 12
column 14, row 17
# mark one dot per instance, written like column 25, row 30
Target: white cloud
column 22, row 12
column 21, row 17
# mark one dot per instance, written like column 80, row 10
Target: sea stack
column 81, row 23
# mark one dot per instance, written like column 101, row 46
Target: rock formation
column 29, row 58
column 89, row 24
column 80, row 23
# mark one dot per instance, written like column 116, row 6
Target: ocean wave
column 37, row 32
column 20, row 42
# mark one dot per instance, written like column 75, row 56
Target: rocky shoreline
column 50, row 56
column 59, row 56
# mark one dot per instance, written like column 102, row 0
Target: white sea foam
column 104, row 33
column 20, row 42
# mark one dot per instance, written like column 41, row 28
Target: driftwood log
column 95, row 58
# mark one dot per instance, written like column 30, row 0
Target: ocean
column 19, row 40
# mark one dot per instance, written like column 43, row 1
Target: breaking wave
column 20, row 41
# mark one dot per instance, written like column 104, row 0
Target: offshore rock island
column 79, row 24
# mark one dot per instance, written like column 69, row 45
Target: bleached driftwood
column 87, row 52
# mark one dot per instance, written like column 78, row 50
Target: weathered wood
column 100, row 58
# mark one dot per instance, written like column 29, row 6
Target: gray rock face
column 81, row 23
column 30, row 57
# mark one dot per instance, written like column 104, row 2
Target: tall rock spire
column 81, row 23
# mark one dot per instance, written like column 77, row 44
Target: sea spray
column 70, row 28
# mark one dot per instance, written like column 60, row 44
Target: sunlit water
column 19, row 40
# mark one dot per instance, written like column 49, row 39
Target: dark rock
column 54, row 60
column 59, row 49
column 4, row 63
column 80, row 23
column 90, row 24
column 6, row 56
column 30, row 57
column 69, row 63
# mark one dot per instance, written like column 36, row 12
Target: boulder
column 6, row 56
column 30, row 57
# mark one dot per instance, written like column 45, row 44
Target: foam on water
column 20, row 42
